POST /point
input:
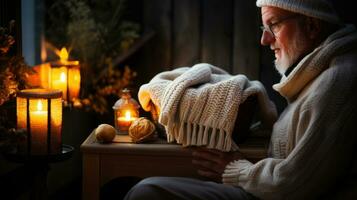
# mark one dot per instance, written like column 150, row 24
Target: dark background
column 179, row 33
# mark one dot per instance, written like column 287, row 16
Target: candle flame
column 127, row 115
column 63, row 77
column 39, row 106
column 63, row 54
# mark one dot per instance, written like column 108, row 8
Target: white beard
column 283, row 64
column 290, row 56
column 297, row 47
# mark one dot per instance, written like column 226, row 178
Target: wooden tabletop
column 122, row 144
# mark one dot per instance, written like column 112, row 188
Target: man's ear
column 313, row 27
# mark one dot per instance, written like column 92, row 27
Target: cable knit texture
column 313, row 142
column 198, row 106
column 321, row 9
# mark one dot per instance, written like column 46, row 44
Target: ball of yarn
column 142, row 130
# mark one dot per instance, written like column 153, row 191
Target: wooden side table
column 103, row 162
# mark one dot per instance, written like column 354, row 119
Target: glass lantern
column 126, row 110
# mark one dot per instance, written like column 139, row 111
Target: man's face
column 285, row 36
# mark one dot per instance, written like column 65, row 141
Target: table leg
column 91, row 177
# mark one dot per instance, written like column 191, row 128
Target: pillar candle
column 38, row 121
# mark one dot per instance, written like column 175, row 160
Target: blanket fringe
column 192, row 134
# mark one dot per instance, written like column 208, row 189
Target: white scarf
column 314, row 63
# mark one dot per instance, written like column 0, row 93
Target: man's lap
column 184, row 188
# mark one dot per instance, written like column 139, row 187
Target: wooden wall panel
column 186, row 32
column 223, row 33
column 246, row 42
column 216, row 34
column 157, row 16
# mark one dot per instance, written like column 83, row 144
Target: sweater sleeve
column 325, row 135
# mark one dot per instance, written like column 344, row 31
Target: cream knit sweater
column 313, row 143
column 199, row 105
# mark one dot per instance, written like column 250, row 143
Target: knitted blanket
column 198, row 106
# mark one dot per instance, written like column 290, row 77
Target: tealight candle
column 124, row 122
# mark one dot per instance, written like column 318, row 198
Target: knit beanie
column 321, row 9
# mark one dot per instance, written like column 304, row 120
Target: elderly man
column 313, row 143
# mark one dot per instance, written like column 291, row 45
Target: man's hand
column 211, row 163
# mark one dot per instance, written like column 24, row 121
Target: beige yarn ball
column 105, row 133
column 142, row 130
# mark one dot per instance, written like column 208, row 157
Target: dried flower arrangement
column 96, row 33
column 13, row 75
column 13, row 69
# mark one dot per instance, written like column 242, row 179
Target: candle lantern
column 65, row 76
column 126, row 110
column 39, row 112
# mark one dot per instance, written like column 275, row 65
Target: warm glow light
column 43, row 50
column 42, row 76
column 66, row 76
column 63, row 55
column 39, row 105
column 125, row 121
column 74, row 82
column 63, row 77
column 126, row 110
column 59, row 80
column 127, row 115
column 45, row 75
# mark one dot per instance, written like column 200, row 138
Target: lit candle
column 125, row 121
column 59, row 80
column 38, row 121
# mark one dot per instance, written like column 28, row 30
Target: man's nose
column 267, row 38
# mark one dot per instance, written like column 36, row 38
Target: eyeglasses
column 273, row 28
